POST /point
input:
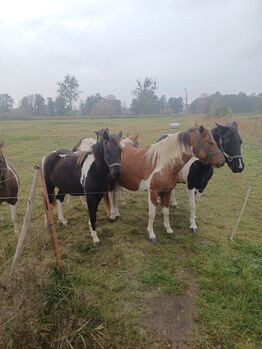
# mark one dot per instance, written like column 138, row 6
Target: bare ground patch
column 171, row 318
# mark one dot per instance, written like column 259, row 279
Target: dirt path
column 171, row 318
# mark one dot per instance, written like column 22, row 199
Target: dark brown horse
column 9, row 184
column 83, row 173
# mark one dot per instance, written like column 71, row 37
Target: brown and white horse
column 9, row 184
column 155, row 169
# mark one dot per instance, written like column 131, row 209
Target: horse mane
column 81, row 156
column 169, row 150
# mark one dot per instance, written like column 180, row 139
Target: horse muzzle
column 237, row 165
column 115, row 171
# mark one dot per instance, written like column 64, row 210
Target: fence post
column 27, row 217
column 50, row 223
column 241, row 213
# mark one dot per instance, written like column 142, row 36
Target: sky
column 201, row 45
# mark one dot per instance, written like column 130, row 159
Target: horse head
column 229, row 141
column 205, row 148
column 111, row 151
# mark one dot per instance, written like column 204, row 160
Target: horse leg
column 165, row 199
column 92, row 203
column 122, row 195
column 152, row 202
column 114, row 213
column 13, row 217
column 173, row 198
column 59, row 203
column 192, row 207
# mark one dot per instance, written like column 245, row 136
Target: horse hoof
column 194, row 230
column 97, row 243
column 112, row 220
column 153, row 240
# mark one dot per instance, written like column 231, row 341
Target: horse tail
column 107, row 204
column 50, row 187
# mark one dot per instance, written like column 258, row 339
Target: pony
column 86, row 144
column 155, row 168
column 9, row 185
column 196, row 174
column 83, row 173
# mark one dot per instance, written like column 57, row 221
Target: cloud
column 202, row 45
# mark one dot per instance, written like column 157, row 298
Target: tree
column 39, row 106
column 6, row 103
column 68, row 91
column 146, row 101
column 176, row 104
column 26, row 105
column 50, row 106
column 60, row 106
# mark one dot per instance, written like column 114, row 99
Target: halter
column 199, row 146
column 110, row 165
column 229, row 158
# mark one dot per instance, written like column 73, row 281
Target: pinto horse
column 155, row 169
column 86, row 144
column 196, row 174
column 83, row 173
column 9, row 184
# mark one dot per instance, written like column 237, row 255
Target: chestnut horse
column 9, row 184
column 155, row 169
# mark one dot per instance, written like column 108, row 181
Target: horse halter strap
column 111, row 165
column 199, row 146
column 229, row 158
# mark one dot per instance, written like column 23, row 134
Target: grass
column 95, row 303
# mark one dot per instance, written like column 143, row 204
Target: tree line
column 219, row 105
column 145, row 102
column 67, row 102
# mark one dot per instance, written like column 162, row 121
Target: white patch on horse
column 240, row 164
column 183, row 173
column 60, row 213
column 63, row 155
column 93, row 234
column 145, row 183
column 87, row 144
column 85, row 168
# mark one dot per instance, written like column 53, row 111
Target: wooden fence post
column 27, row 217
column 241, row 213
column 50, row 223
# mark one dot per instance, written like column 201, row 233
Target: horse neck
column 171, row 151
column 99, row 155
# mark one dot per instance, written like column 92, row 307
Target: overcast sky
column 201, row 45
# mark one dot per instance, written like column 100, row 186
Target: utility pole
column 186, row 106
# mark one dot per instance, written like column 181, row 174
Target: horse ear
column 234, row 123
column 119, row 135
column 217, row 124
column 105, row 135
column 201, row 129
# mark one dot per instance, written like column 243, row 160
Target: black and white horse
column 83, row 173
column 196, row 175
column 9, row 184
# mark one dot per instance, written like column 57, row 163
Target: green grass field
column 115, row 295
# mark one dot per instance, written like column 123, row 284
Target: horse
column 196, row 174
column 155, row 169
column 86, row 144
column 9, row 185
column 83, row 173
